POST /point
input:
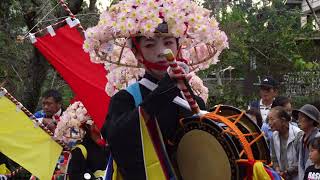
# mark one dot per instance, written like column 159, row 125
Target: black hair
column 315, row 144
column 282, row 113
column 162, row 28
column 138, row 38
column 255, row 112
column 280, row 101
column 53, row 93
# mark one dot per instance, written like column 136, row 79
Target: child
column 313, row 171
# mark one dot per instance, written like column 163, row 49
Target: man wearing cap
column 308, row 120
column 268, row 91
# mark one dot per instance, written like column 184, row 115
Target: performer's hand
column 184, row 71
column 49, row 123
column 283, row 174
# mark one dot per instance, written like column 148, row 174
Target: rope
column 26, row 35
column 63, row 17
column 37, row 32
column 67, row 9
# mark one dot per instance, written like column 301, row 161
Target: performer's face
column 152, row 50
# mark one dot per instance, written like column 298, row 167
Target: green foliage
column 272, row 35
column 227, row 95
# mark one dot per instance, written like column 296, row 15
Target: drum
column 217, row 145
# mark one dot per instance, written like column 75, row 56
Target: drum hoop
column 235, row 131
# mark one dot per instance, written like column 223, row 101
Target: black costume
column 97, row 158
column 122, row 129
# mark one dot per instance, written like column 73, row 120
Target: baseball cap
column 268, row 82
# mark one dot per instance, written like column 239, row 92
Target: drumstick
column 184, row 85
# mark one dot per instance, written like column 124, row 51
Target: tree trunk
column 37, row 66
column 92, row 5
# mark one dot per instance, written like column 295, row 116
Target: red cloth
column 86, row 79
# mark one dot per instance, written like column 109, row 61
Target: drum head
column 203, row 151
column 200, row 156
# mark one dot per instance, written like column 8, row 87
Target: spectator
column 308, row 120
column 268, row 91
column 286, row 103
column 283, row 143
column 51, row 109
column 313, row 171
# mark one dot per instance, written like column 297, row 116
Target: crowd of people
column 293, row 135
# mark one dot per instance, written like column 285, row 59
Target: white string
column 41, row 20
column 43, row 6
column 78, row 15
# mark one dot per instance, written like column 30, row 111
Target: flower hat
column 69, row 129
column 200, row 39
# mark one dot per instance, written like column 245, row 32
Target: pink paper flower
column 186, row 20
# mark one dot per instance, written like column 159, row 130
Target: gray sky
column 101, row 4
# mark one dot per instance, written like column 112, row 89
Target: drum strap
column 152, row 155
column 153, row 166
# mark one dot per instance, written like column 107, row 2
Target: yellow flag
column 27, row 145
column 152, row 164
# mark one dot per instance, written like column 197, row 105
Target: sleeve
column 77, row 165
column 122, row 126
column 253, row 104
column 39, row 114
column 201, row 103
column 273, row 154
column 293, row 170
column 161, row 96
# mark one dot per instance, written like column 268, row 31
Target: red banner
column 86, row 79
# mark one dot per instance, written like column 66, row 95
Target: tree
column 265, row 35
column 23, row 70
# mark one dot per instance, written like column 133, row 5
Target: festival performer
column 130, row 39
column 89, row 153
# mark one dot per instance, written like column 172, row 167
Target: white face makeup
column 152, row 50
